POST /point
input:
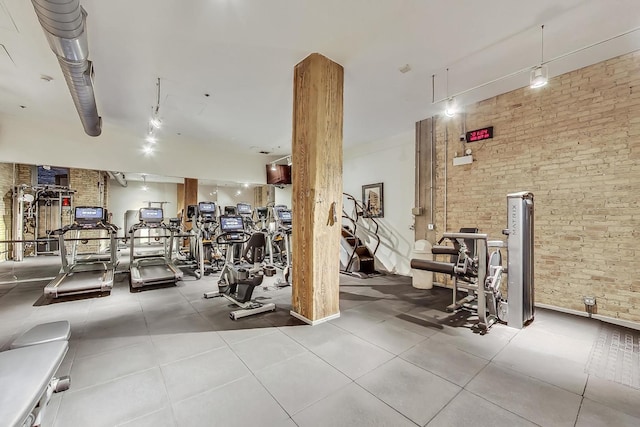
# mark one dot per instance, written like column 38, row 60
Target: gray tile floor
column 168, row 357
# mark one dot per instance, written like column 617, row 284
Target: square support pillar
column 190, row 198
column 317, row 188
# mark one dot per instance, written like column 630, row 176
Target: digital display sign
column 479, row 134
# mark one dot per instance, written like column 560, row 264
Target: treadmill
column 153, row 269
column 88, row 276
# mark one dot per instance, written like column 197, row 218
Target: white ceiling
column 242, row 53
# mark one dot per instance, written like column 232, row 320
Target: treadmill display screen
column 285, row 216
column 244, row 209
column 86, row 213
column 207, row 207
column 151, row 214
column 229, row 224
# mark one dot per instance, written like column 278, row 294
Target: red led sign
column 479, row 134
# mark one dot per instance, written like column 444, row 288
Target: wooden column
column 180, row 198
column 190, row 197
column 317, row 188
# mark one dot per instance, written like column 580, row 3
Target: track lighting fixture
column 540, row 74
column 155, row 122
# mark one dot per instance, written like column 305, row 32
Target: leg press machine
column 479, row 273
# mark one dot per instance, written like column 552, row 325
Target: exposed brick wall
column 576, row 145
column 91, row 187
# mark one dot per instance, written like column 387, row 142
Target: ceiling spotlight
column 539, row 77
column 148, row 150
column 273, row 167
column 238, row 192
column 151, row 139
column 155, row 122
column 450, row 108
column 245, row 185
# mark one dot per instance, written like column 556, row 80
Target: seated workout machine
column 240, row 277
column 27, row 371
column 480, row 275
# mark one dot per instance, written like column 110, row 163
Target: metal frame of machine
column 89, row 275
column 481, row 275
column 153, row 269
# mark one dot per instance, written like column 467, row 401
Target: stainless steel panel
column 520, row 264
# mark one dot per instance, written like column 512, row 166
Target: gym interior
column 319, row 213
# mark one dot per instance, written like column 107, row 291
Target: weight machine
column 479, row 274
column 39, row 211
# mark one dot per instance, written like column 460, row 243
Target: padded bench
column 43, row 333
column 27, row 378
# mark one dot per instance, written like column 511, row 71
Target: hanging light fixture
column 540, row 74
column 450, row 108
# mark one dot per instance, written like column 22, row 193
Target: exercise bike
column 239, row 277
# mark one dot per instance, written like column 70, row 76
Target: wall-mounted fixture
column 540, row 75
column 144, row 183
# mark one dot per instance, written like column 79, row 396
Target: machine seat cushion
column 44, row 333
column 25, row 374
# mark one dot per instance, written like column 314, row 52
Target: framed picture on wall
column 373, row 200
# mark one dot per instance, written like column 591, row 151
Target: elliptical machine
column 205, row 227
column 239, row 277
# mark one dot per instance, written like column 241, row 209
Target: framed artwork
column 373, row 200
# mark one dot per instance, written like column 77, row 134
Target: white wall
column 24, row 140
column 392, row 162
column 132, row 196
column 283, row 195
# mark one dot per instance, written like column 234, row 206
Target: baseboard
column 314, row 322
column 620, row 322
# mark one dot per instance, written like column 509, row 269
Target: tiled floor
column 168, row 357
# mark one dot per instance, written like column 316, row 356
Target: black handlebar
column 223, row 239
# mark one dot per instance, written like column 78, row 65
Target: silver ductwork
column 63, row 22
column 119, row 177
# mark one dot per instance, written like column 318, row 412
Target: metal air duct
column 118, row 177
column 63, row 22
